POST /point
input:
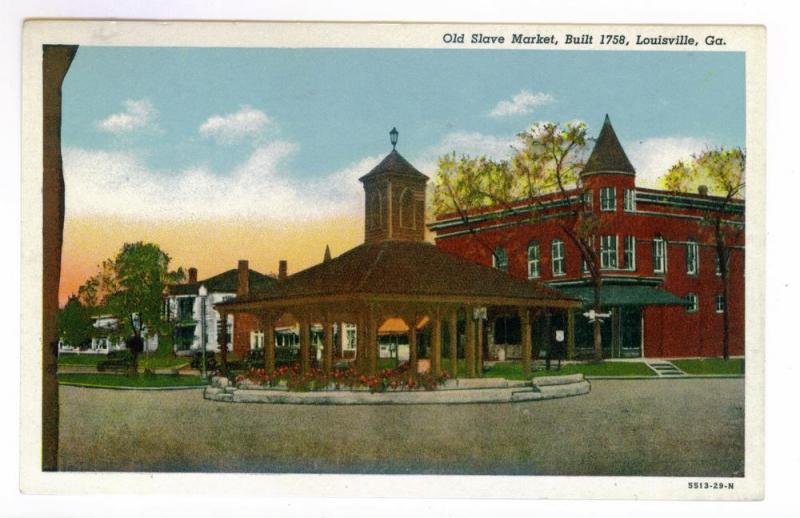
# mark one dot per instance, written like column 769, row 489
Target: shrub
column 197, row 361
column 116, row 360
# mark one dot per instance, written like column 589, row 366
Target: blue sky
column 192, row 122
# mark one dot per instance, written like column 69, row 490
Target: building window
column 691, row 303
column 558, row 257
column 691, row 257
column 500, row 259
column 720, row 303
column 533, row 260
column 608, row 252
column 608, row 199
column 587, row 200
column 659, row 255
column 629, row 253
column 629, row 200
column 256, row 340
column 185, row 309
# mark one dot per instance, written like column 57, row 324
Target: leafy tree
column 722, row 172
column 131, row 287
column 545, row 167
column 74, row 323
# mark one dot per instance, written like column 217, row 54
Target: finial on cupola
column 393, row 137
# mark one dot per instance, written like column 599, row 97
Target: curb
column 676, row 377
column 112, row 387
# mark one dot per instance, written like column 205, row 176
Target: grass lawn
column 118, row 380
column 153, row 362
column 513, row 370
column 711, row 366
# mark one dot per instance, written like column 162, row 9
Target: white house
column 105, row 339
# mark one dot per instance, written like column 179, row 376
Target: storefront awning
column 624, row 295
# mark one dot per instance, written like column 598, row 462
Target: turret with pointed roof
column 608, row 155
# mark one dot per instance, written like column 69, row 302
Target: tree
column 545, row 167
column 75, row 323
column 722, row 172
column 131, row 287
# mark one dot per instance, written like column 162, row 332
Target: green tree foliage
column 722, row 172
column 75, row 323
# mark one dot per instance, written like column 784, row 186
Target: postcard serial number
column 710, row 485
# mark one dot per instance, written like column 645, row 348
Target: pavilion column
column 570, row 334
column 479, row 350
column 436, row 343
column 361, row 343
column 372, row 344
column 525, row 324
column 412, row 342
column 469, row 352
column 327, row 352
column 267, row 326
column 305, row 345
column 338, row 346
column 452, row 323
column 222, row 340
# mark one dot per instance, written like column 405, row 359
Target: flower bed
column 400, row 378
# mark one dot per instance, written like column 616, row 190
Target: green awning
column 613, row 295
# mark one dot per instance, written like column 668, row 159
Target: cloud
column 247, row 123
column 137, row 115
column 520, row 104
column 119, row 183
column 653, row 157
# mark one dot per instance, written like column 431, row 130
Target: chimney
column 192, row 275
column 702, row 190
column 282, row 269
column 243, row 285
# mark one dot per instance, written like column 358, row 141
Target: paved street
column 688, row 427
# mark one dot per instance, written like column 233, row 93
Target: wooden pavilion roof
column 402, row 270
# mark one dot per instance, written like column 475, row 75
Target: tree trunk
column 56, row 60
column 596, row 334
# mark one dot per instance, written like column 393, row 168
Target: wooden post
column 436, row 343
column 338, row 346
column 469, row 352
column 570, row 334
column 453, row 328
column 222, row 341
column 372, row 344
column 269, row 343
column 525, row 324
column 327, row 351
column 412, row 342
column 479, row 350
column 361, row 343
column 305, row 346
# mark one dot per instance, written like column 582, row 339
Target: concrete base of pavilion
column 459, row 391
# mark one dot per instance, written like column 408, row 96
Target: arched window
column 500, row 259
column 533, row 260
column 407, row 209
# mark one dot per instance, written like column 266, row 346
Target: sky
column 220, row 154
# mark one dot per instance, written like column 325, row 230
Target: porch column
column 570, row 334
column 268, row 328
column 327, row 352
column 469, row 352
column 412, row 342
column 305, row 346
column 222, row 341
column 453, row 328
column 479, row 350
column 525, row 324
column 436, row 343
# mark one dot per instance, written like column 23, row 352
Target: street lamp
column 393, row 137
column 203, row 292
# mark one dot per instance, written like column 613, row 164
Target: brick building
column 661, row 282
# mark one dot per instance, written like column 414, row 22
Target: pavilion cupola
column 394, row 191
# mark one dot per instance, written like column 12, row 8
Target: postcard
column 322, row 259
